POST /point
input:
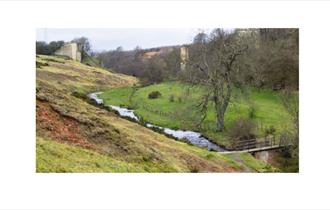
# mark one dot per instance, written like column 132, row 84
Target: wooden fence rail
column 259, row 143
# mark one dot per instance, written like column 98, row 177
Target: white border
column 21, row 187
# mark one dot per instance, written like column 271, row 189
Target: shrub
column 39, row 64
column 209, row 156
column 154, row 94
column 242, row 129
column 171, row 99
column 270, row 130
column 252, row 112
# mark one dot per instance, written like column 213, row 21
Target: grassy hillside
column 75, row 136
column 72, row 76
column 177, row 108
column 56, row 157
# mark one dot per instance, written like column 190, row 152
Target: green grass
column 259, row 166
column 64, row 158
column 57, row 157
column 182, row 112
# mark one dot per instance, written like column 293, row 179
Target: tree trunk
column 220, row 120
column 221, row 104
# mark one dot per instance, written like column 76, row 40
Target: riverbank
column 189, row 137
column 176, row 109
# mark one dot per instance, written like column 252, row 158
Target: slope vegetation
column 177, row 108
column 76, row 136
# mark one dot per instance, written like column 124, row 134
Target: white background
column 21, row 187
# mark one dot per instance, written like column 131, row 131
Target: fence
column 271, row 141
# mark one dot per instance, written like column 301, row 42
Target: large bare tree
column 214, row 66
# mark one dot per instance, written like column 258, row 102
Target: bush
column 242, row 129
column 270, row 130
column 252, row 112
column 39, row 64
column 171, row 99
column 154, row 94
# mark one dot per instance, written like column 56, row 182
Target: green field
column 177, row 108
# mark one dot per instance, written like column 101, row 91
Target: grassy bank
column 58, row 157
column 75, row 136
column 177, row 108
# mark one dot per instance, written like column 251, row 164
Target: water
column 191, row 136
column 95, row 97
column 125, row 112
column 122, row 111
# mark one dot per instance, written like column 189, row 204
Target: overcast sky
column 109, row 39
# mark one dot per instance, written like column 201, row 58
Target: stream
column 193, row 137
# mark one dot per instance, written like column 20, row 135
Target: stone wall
column 71, row 50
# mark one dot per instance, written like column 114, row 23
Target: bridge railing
column 270, row 141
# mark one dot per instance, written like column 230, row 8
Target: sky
column 110, row 39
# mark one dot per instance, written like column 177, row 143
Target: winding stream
column 191, row 136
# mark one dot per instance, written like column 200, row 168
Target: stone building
column 71, row 50
column 184, row 55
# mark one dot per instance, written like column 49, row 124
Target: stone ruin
column 184, row 55
column 72, row 50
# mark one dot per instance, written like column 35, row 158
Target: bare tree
column 216, row 63
column 85, row 45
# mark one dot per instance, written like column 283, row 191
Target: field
column 177, row 108
column 74, row 135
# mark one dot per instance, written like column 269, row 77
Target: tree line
column 50, row 48
column 153, row 69
column 270, row 60
column 223, row 60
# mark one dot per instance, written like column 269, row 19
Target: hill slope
column 75, row 136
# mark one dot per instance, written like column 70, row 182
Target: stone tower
column 184, row 57
column 71, row 50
